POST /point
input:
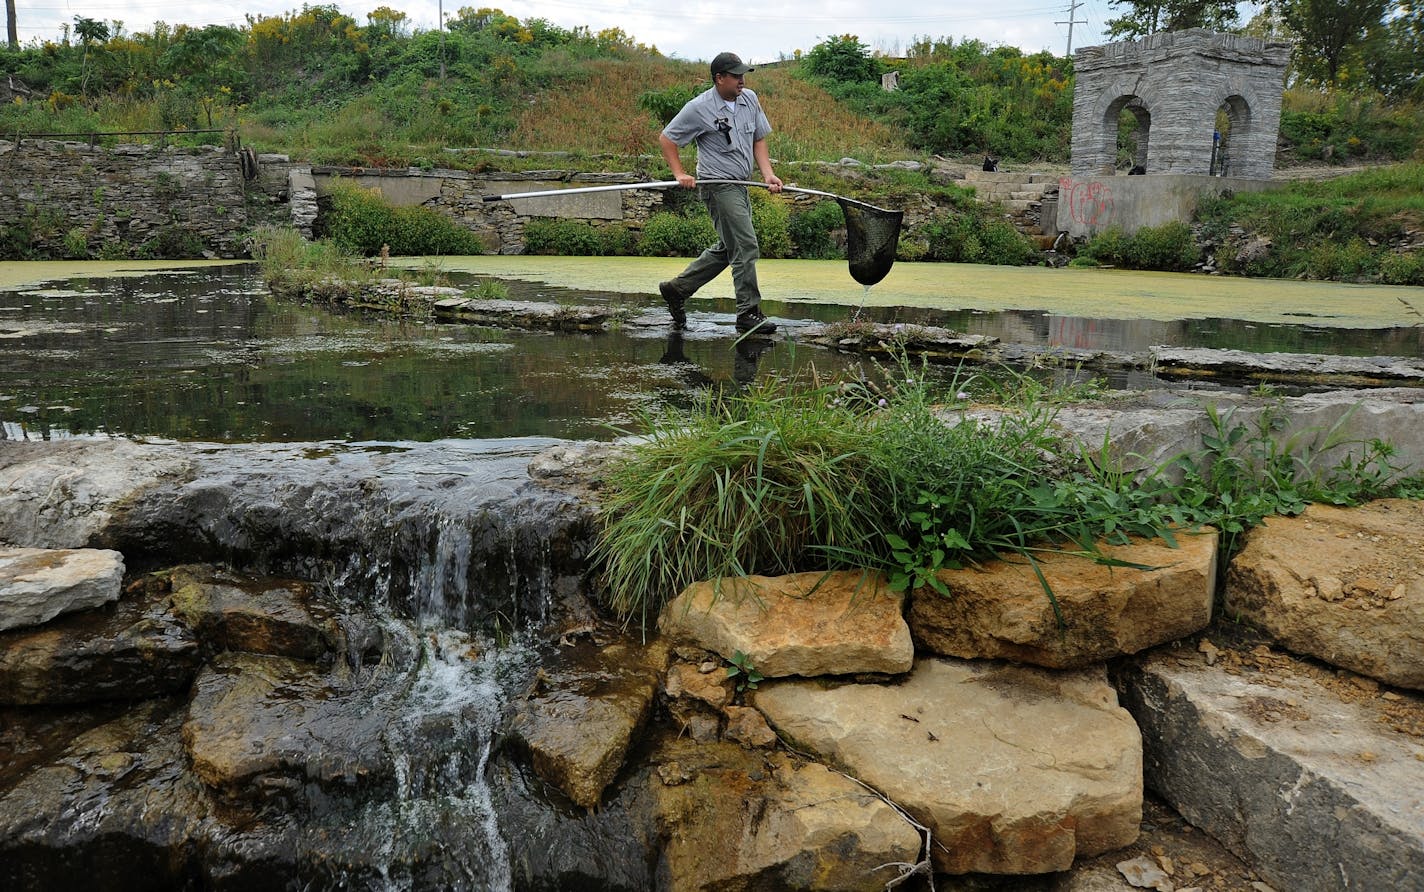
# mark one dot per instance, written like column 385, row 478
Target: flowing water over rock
column 324, row 717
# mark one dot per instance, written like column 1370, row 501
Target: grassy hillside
column 323, row 87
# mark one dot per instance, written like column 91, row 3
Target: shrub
column 676, row 235
column 952, row 238
column 1352, row 261
column 967, row 237
column 1170, row 247
column 811, row 231
column 1004, row 245
column 173, row 243
column 1402, row 269
column 360, row 221
column 769, row 218
column 575, row 238
column 426, row 231
column 355, row 219
column 665, row 104
column 76, row 243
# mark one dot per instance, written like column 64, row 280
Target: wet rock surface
column 522, row 314
column 132, row 649
column 588, row 703
column 261, row 727
column 455, row 531
column 278, row 617
column 361, row 746
column 116, row 809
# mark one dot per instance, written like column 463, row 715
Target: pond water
column 206, row 353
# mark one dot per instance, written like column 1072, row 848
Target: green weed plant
column 895, row 476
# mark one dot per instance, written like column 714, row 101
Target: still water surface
column 206, row 353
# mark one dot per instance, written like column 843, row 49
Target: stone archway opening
column 1134, row 131
column 1233, row 125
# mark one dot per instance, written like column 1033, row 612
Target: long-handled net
column 872, row 233
column 872, row 238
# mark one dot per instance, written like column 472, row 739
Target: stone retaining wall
column 78, row 200
column 75, row 200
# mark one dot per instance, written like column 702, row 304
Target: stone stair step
column 1294, row 769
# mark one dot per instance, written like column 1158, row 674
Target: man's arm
column 674, row 162
column 763, row 162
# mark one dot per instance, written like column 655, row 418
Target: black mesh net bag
column 872, row 237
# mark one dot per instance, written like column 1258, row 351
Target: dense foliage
column 393, row 95
column 1353, row 228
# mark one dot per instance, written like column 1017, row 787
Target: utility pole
column 440, row 11
column 1073, row 19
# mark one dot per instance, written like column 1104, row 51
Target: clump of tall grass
column 289, row 260
column 742, row 484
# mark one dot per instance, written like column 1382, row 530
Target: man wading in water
column 730, row 130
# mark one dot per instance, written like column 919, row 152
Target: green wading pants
column 731, row 210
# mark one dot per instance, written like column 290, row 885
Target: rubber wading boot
column 753, row 321
column 674, row 303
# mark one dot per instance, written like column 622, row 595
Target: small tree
column 1329, row 30
column 1151, row 16
column 843, row 59
column 89, row 31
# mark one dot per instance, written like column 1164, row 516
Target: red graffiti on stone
column 1089, row 202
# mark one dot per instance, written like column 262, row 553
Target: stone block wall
column 115, row 200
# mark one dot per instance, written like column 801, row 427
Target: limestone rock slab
column 732, row 818
column 581, row 718
column 38, row 584
column 279, row 617
column 1289, row 767
column 131, row 650
column 806, row 624
column 1015, row 770
column 1000, row 610
column 64, row 495
column 1345, row 585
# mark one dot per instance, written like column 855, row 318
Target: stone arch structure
column 1174, row 84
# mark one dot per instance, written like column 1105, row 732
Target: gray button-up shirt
column 717, row 157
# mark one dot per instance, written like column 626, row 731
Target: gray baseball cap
column 729, row 63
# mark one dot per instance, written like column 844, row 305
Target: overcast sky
column 691, row 29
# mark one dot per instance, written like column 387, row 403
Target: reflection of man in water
column 746, row 355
